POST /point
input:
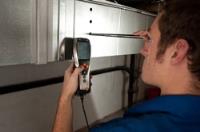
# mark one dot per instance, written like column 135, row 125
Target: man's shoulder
column 152, row 122
column 167, row 113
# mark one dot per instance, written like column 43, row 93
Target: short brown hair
column 180, row 19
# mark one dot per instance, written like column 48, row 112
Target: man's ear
column 180, row 50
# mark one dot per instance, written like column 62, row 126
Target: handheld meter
column 82, row 55
column 80, row 50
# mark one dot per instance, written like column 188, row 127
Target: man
column 172, row 62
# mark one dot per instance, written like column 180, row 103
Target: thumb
column 77, row 71
column 71, row 86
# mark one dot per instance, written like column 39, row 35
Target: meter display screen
column 83, row 49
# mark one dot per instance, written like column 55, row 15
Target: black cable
column 86, row 120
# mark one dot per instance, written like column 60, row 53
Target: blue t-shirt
column 169, row 113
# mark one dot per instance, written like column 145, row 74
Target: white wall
column 34, row 110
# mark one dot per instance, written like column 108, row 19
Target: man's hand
column 70, row 81
column 63, row 121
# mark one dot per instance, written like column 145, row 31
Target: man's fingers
column 77, row 71
column 69, row 72
column 70, row 68
column 137, row 33
column 140, row 33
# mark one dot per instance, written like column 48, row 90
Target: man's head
column 173, row 56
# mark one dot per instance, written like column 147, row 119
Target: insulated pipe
column 132, row 77
column 110, row 69
column 29, row 85
column 46, row 82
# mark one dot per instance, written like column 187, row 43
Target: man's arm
column 63, row 121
